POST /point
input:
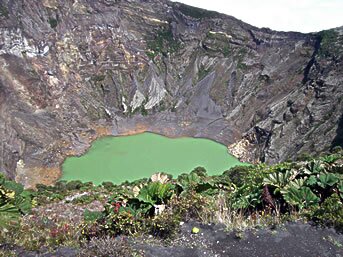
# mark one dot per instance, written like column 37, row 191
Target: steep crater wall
column 72, row 71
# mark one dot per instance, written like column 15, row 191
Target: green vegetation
column 327, row 46
column 151, row 54
column 4, row 11
column 163, row 43
column 226, row 51
column 140, row 109
column 14, row 200
column 309, row 189
column 242, row 197
column 203, row 72
column 218, row 43
column 144, row 111
column 241, row 66
column 329, row 213
column 240, row 57
column 98, row 78
column 53, row 22
column 197, row 13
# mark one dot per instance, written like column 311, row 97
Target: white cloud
column 285, row 15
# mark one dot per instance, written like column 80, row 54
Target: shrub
column 200, row 171
column 14, row 200
column 87, row 186
column 4, row 11
column 53, row 22
column 74, row 185
column 329, row 213
column 165, row 225
column 226, row 51
column 191, row 206
column 42, row 187
column 108, row 246
column 203, row 72
column 237, row 174
column 108, row 185
column 60, row 186
column 327, row 37
column 34, row 234
column 162, row 43
column 122, row 220
column 337, row 149
column 98, row 78
column 92, row 216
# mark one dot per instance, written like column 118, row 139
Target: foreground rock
column 76, row 70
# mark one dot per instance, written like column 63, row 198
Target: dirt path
column 291, row 240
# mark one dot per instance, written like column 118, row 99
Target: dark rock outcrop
column 75, row 70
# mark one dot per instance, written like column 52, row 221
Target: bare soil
column 294, row 239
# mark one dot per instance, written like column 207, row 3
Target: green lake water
column 122, row 158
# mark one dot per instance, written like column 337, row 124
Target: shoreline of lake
column 71, row 169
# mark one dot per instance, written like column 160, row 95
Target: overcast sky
column 285, row 15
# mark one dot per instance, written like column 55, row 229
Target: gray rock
column 119, row 67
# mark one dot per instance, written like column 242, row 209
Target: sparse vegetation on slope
column 327, row 49
column 163, row 43
column 195, row 12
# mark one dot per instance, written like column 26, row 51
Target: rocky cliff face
column 75, row 70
